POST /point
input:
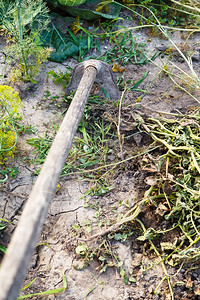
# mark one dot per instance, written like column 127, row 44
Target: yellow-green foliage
column 10, row 104
column 29, row 56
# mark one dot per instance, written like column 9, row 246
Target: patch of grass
column 182, row 13
column 91, row 147
column 126, row 50
column 183, row 80
column 42, row 146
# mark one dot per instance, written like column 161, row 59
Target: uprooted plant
column 173, row 196
column 172, row 158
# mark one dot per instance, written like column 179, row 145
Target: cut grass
column 91, row 147
column 177, row 171
column 175, row 189
column 45, row 293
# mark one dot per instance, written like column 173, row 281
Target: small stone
column 162, row 47
column 137, row 259
column 161, row 209
column 196, row 56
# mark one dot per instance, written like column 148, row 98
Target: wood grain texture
column 26, row 235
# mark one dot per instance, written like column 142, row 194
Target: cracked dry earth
column 68, row 206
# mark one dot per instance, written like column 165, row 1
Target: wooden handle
column 26, row 235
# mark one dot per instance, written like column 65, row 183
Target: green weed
column 3, row 225
column 10, row 105
column 105, row 254
column 59, row 78
column 45, row 293
column 126, row 50
column 90, row 148
column 174, row 13
column 23, row 22
column 173, row 196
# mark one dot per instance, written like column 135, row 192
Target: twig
column 14, row 194
column 119, row 123
column 162, row 263
column 114, row 227
column 112, row 164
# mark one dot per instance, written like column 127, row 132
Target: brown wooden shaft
column 26, row 235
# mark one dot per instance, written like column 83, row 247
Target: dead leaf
column 187, row 122
column 152, row 170
column 151, row 180
column 161, row 209
column 95, row 89
column 75, row 29
column 197, row 291
column 189, row 282
column 118, row 68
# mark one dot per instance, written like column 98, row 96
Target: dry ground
column 68, row 209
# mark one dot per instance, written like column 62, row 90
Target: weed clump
column 23, row 23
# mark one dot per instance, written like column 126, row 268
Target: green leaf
column 120, row 263
column 71, row 2
column 101, row 258
column 4, row 220
column 3, row 249
column 118, row 236
column 49, row 292
column 99, row 223
column 125, row 280
column 81, row 250
column 132, row 279
column 89, row 10
column 122, row 272
column 2, row 226
column 139, row 81
column 28, row 285
column 76, row 227
column 103, row 269
column 63, row 45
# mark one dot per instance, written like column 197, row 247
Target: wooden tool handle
column 26, row 235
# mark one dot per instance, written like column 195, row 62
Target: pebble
column 162, row 47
